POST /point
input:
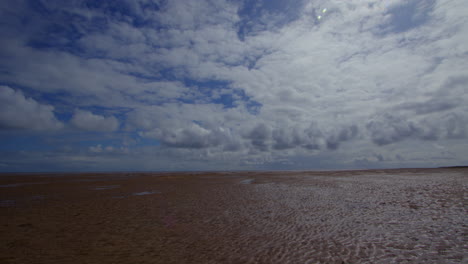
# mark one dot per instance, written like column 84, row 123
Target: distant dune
column 374, row 216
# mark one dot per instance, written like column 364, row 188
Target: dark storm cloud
column 442, row 116
column 345, row 134
column 259, row 137
column 431, row 106
column 283, row 136
column 388, row 129
column 454, row 87
column 450, row 96
column 456, row 126
column 193, row 137
column 288, row 137
column 285, row 139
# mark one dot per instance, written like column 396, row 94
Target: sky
column 148, row 85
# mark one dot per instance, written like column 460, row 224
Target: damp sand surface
column 375, row 216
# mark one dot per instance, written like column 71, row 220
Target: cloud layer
column 237, row 84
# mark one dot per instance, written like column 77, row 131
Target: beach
column 368, row 216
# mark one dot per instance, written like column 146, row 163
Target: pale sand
column 379, row 216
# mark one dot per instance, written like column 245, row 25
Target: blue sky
column 232, row 85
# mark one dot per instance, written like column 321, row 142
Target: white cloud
column 358, row 77
column 20, row 112
column 88, row 121
column 339, row 72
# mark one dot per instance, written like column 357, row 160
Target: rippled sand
column 379, row 216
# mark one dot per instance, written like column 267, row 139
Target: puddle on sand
column 11, row 185
column 145, row 193
column 20, row 184
column 135, row 194
column 37, row 197
column 107, row 187
column 246, row 181
column 7, row 203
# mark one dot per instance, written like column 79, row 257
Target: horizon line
column 224, row 171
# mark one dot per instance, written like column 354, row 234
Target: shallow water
column 7, row 203
column 145, row 193
column 11, row 185
column 107, row 187
column 246, row 181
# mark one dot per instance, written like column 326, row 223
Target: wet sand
column 375, row 216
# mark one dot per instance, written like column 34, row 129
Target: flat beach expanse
column 373, row 216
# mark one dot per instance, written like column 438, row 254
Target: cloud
column 88, row 121
column 430, row 106
column 192, row 137
column 292, row 137
column 99, row 149
column 343, row 135
column 389, row 128
column 259, row 137
column 456, row 126
column 252, row 82
column 20, row 112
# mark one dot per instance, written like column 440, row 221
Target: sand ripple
column 348, row 217
column 359, row 219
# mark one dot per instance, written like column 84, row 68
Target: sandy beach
column 374, row 216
